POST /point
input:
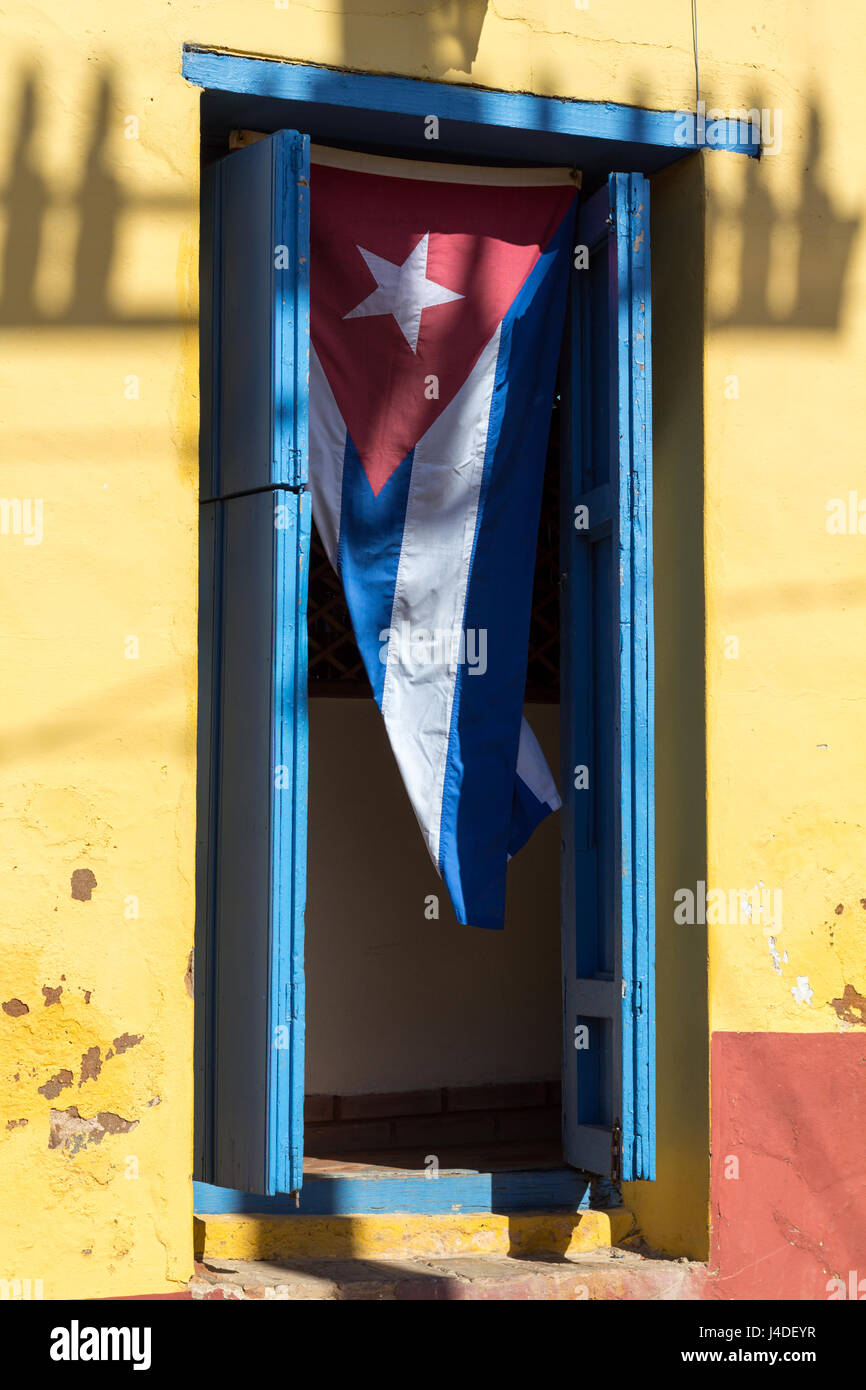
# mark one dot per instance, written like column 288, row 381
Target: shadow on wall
column 792, row 261
column 98, row 204
column 672, row 1211
column 433, row 37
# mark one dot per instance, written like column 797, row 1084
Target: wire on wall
column 695, row 46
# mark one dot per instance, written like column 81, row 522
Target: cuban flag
column 437, row 306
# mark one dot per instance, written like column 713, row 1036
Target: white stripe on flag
column 533, row 770
column 430, row 593
column 328, row 449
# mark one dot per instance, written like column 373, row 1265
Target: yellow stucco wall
column 99, row 301
column 786, row 752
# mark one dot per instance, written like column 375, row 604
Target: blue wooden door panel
column 607, row 645
column 255, row 541
column 262, row 267
column 260, row 851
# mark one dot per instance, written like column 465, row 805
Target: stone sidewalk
column 612, row 1274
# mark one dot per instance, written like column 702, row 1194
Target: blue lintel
column 683, row 131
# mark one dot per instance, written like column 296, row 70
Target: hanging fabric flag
column 437, row 305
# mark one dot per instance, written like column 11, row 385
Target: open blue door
column 255, row 543
column 607, row 682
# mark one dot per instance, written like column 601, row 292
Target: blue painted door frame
column 255, row 545
column 608, row 1121
column 608, row 879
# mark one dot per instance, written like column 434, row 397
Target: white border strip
column 442, row 173
column 327, row 452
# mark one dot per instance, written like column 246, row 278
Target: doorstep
column 261, row 1236
column 399, row 1208
column 612, row 1274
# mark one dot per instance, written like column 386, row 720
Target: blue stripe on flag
column 527, row 813
column 371, row 535
column 485, row 723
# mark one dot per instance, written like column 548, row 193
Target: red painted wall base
column 788, row 1165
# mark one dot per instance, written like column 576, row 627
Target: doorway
column 252, row 1009
column 425, row 1039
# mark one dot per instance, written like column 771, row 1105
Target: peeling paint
column 82, row 883
column 51, row 1090
column 72, row 1131
column 52, row 995
column 851, row 1008
column 802, row 991
column 91, row 1065
column 15, row 1008
column 126, row 1041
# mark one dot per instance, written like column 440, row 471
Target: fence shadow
column 98, row 204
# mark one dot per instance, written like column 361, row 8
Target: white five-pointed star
column 402, row 290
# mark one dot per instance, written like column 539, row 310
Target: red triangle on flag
column 409, row 281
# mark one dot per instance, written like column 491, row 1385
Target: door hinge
column 616, row 1152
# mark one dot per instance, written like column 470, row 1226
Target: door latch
column 616, row 1152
